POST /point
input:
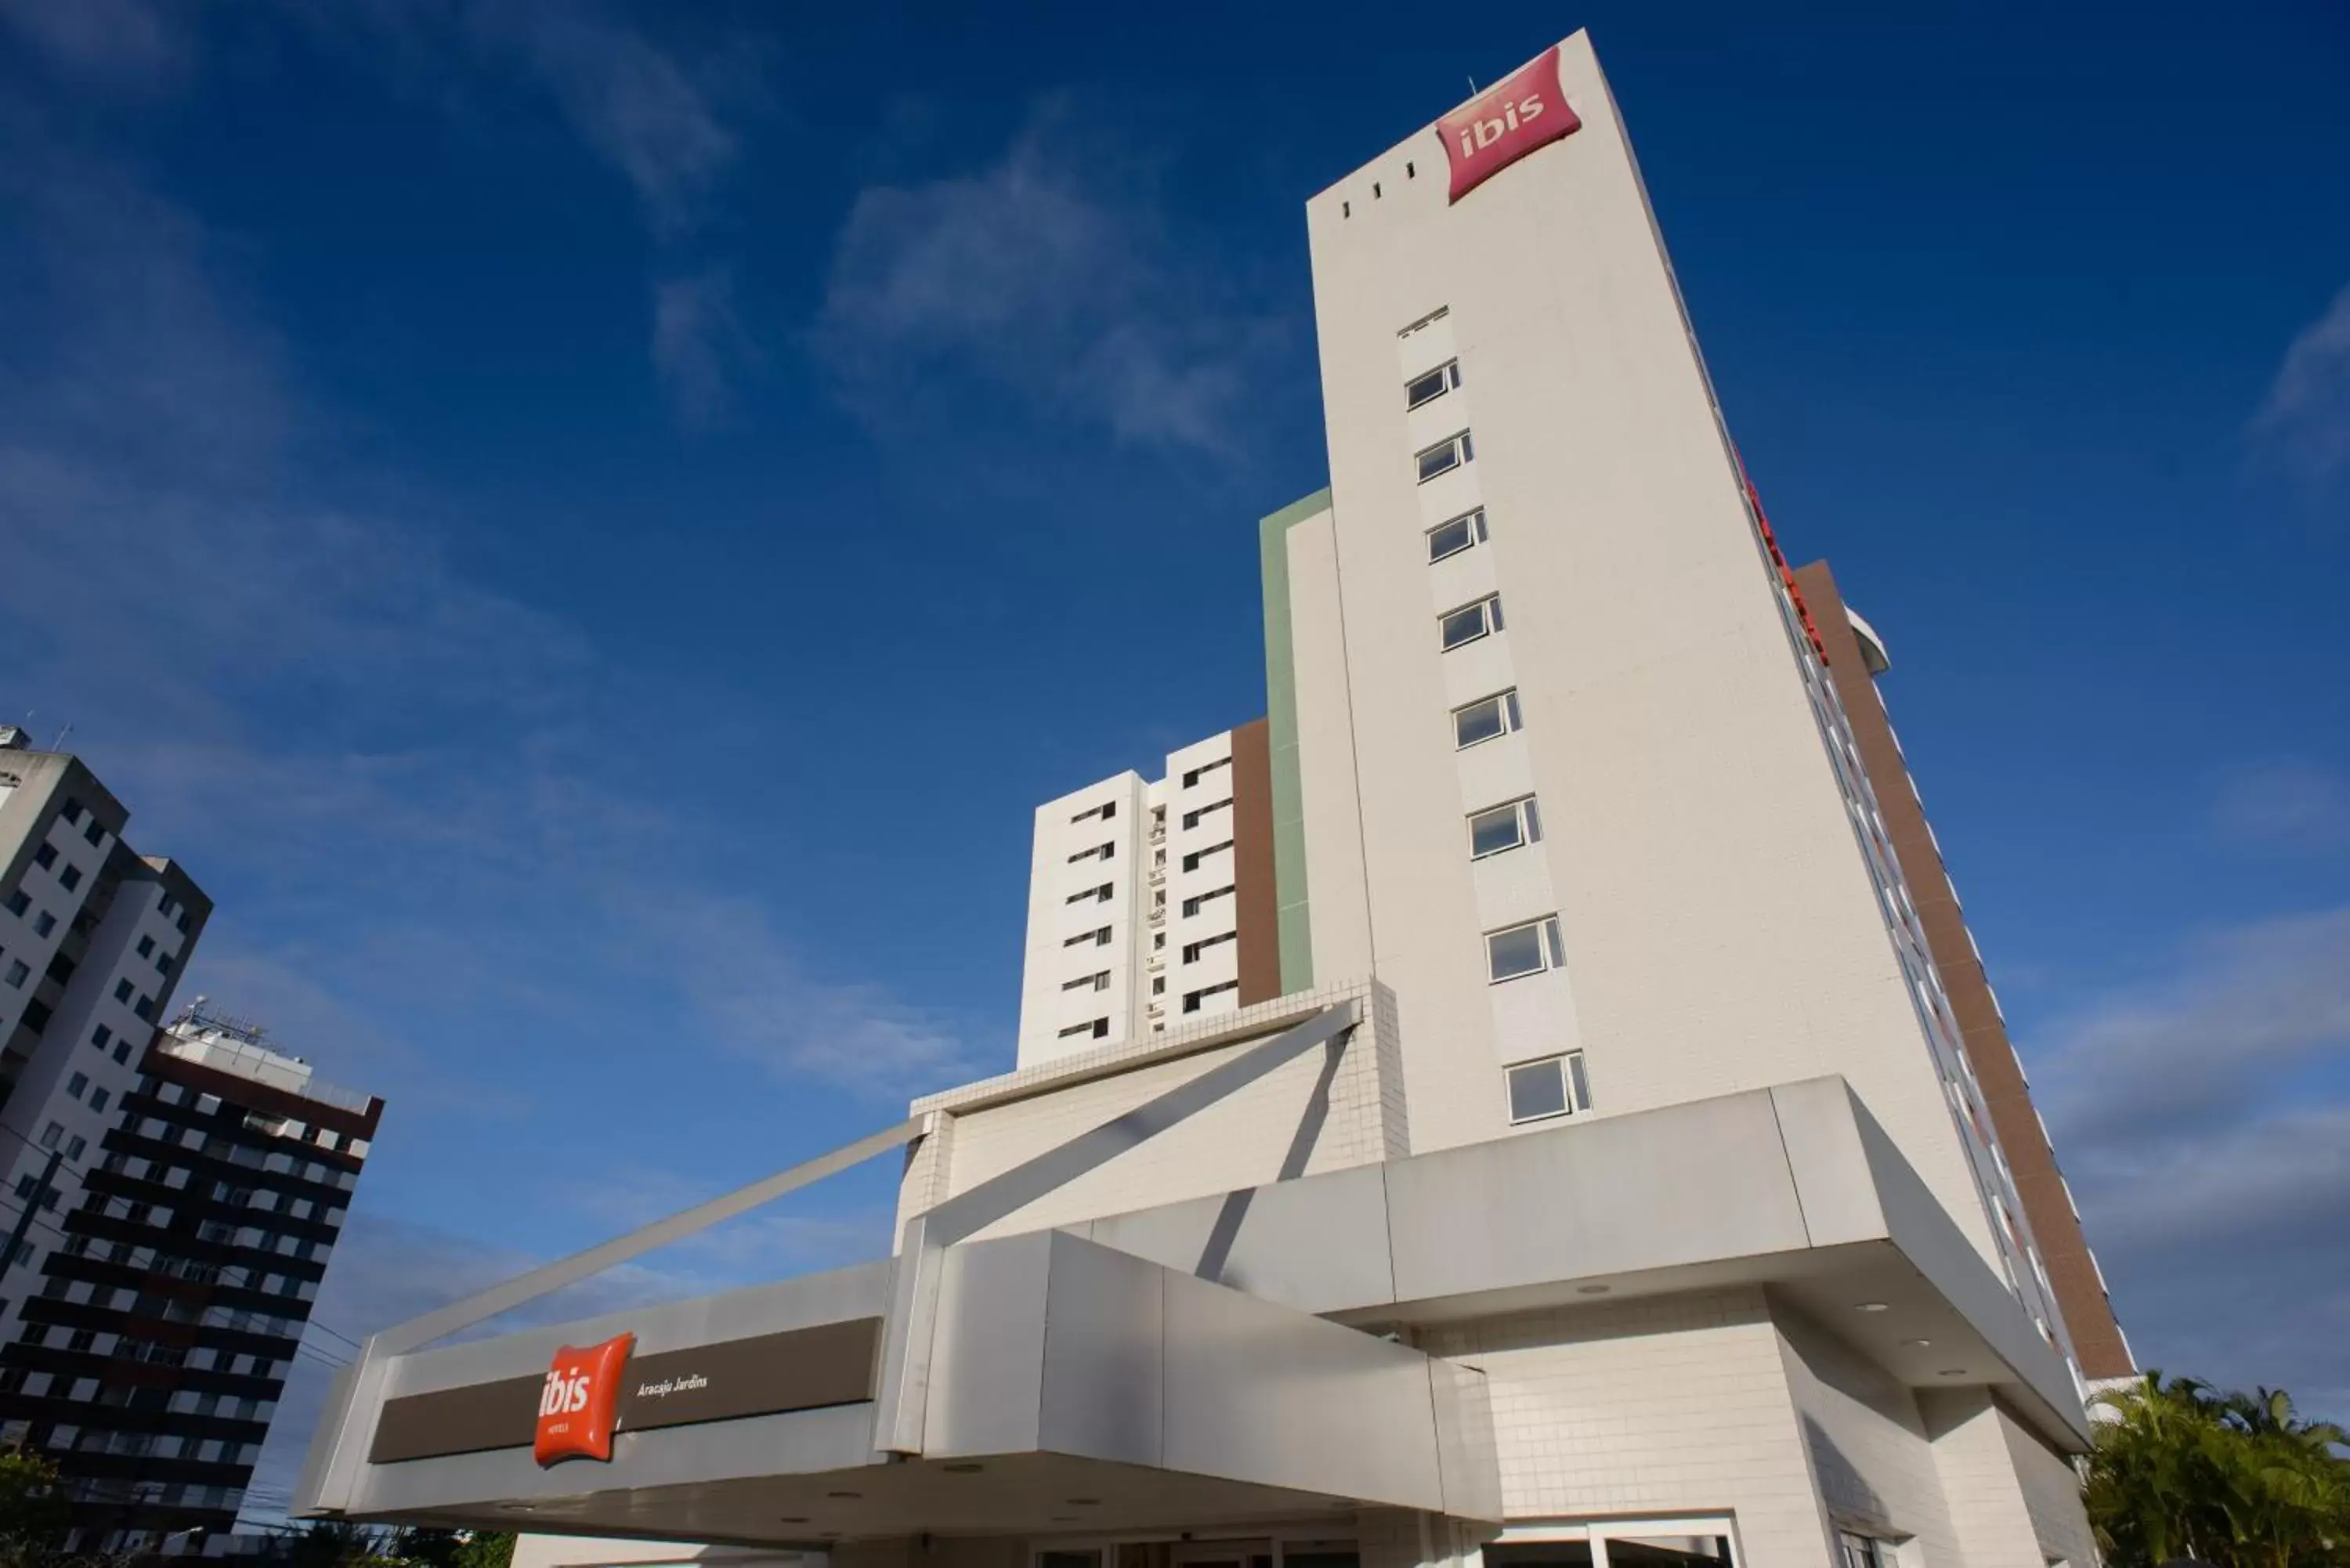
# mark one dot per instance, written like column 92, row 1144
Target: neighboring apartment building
column 150, row 1359
column 1595, row 1167
column 1151, row 902
column 93, row 939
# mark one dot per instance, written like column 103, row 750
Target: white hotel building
column 1528, row 1100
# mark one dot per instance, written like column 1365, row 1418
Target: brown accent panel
column 1257, row 896
column 2047, row 1208
column 798, row 1369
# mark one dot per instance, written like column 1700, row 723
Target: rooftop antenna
column 1472, row 86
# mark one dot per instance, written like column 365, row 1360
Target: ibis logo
column 580, row 1402
column 1523, row 113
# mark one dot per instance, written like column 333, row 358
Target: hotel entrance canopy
column 1199, row 1365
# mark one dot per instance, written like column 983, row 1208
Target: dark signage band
column 797, row 1369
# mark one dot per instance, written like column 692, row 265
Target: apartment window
column 1158, row 985
column 1435, row 384
column 46, row 856
column 163, row 963
column 1099, row 1029
column 1098, row 852
column 1192, row 818
column 1524, row 950
column 1461, row 534
column 1486, row 718
column 1101, row 893
column 19, row 903
column 77, row 1084
column 69, row 878
column 1192, row 950
column 1106, row 810
column 146, row 947
column 18, row 971
column 1191, row 861
column 1856, row 1550
column 1469, row 622
column 1088, row 983
column 1193, row 999
column 1158, row 940
column 122, row 989
column 145, row 1008
column 1444, row 457
column 51, row 1134
column 1553, row 1086
column 1192, row 906
column 44, row 923
column 98, row 1098
column 123, row 1050
column 1099, row 937
column 1503, row 828
column 71, row 811
column 93, row 831
column 1191, row 779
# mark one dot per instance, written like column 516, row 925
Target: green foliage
column 421, row 1548
column 32, row 1516
column 484, row 1550
column 2234, row 1479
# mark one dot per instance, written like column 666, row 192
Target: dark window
column 122, row 989
column 146, row 946
column 1435, row 384
column 19, row 903
column 1444, row 457
column 145, row 1008
column 1192, row 906
column 19, row 971
column 1191, row 999
column 1483, row 720
column 71, row 811
column 46, row 856
column 100, row 1035
column 77, row 1084
column 1191, row 779
column 44, row 923
column 94, row 831
column 163, row 963
column 69, row 878
column 98, row 1098
column 1451, row 538
column 1192, row 950
column 1191, row 861
column 1471, row 622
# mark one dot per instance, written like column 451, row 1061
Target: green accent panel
column 1281, row 724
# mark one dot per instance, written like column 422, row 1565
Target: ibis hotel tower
column 1505, row 1108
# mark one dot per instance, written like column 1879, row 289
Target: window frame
column 1550, row 947
column 1486, row 607
column 1505, row 704
column 1447, row 377
column 1568, row 1072
column 1458, row 447
column 1473, row 528
column 1525, row 822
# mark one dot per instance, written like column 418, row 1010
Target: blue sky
column 588, row 530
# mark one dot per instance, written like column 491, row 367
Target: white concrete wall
column 1723, row 928
column 1340, row 903
column 1072, row 826
column 1870, row 1455
column 1659, row 1406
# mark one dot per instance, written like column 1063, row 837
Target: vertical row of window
column 1554, row 1085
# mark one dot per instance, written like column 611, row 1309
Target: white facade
column 1132, row 917
column 93, row 939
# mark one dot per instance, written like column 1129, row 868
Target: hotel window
column 1469, row 622
column 1524, row 950
column 1444, row 457
column 1553, row 1086
column 1435, row 384
column 122, row 989
column 1503, row 828
column 1191, row 779
column 19, row 903
column 1192, row 818
column 69, row 878
column 1463, row 533
column 93, row 832
column 1192, row 950
column 77, row 1085
column 1088, row 982
column 97, row 1100
column 1099, row 937
column 1191, row 999
column 44, row 923
column 72, row 810
column 18, row 970
column 1191, row 861
column 1098, row 852
column 1106, row 810
column 1102, row 893
column 146, row 946
column 1192, row 906
column 1099, row 1029
column 1486, row 717
column 1856, row 1550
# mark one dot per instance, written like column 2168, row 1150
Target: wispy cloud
column 1044, row 273
column 2286, row 805
column 698, row 341
column 2306, row 414
column 2203, row 1120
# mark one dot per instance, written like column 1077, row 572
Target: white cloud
column 2203, row 1122
column 2241, row 1010
column 1042, row 272
column 698, row 339
column 2307, row 411
column 2285, row 804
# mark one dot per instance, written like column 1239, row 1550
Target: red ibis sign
column 581, row 1397
column 1485, row 136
